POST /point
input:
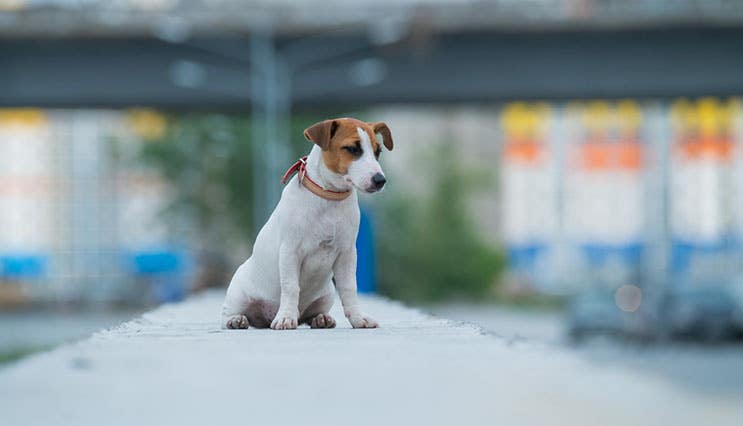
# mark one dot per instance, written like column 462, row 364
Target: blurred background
column 563, row 169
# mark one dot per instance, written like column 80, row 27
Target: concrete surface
column 510, row 322
column 175, row 366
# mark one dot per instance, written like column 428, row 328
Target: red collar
column 300, row 167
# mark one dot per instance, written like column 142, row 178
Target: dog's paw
column 322, row 321
column 361, row 321
column 284, row 322
column 237, row 322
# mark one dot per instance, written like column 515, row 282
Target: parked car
column 703, row 311
column 597, row 313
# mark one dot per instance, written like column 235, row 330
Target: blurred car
column 736, row 293
column 704, row 311
column 596, row 313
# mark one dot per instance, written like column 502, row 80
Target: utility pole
column 270, row 118
column 271, row 76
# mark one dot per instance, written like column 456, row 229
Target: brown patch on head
column 340, row 141
column 381, row 128
column 321, row 133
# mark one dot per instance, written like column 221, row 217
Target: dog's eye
column 377, row 152
column 355, row 150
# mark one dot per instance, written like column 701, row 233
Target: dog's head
column 350, row 148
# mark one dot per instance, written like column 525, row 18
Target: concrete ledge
column 175, row 366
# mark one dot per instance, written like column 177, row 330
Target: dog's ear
column 321, row 133
column 382, row 129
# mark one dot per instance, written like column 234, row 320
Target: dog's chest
column 327, row 236
column 324, row 229
column 329, row 233
column 321, row 248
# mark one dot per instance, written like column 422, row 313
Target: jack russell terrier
column 310, row 237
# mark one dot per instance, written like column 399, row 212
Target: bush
column 429, row 248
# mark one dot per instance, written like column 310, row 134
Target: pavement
column 175, row 365
column 532, row 324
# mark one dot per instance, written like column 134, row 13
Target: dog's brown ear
column 382, row 129
column 321, row 133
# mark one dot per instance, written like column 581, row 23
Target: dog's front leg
column 344, row 272
column 287, row 315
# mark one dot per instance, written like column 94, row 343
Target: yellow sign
column 521, row 120
column 148, row 124
column 30, row 117
column 707, row 118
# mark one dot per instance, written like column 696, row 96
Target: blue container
column 365, row 273
column 683, row 252
column 157, row 262
column 598, row 254
column 163, row 270
column 22, row 266
column 525, row 257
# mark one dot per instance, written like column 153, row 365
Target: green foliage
column 428, row 248
column 208, row 161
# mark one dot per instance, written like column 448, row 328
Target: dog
column 308, row 243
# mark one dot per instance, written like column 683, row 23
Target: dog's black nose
column 378, row 180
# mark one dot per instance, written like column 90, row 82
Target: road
column 24, row 330
column 175, row 366
column 714, row 369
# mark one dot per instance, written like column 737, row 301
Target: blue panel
column 365, row 277
column 22, row 266
column 156, row 262
column 525, row 256
column 682, row 252
column 598, row 254
column 162, row 269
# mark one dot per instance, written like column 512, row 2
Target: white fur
column 361, row 171
column 307, row 241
